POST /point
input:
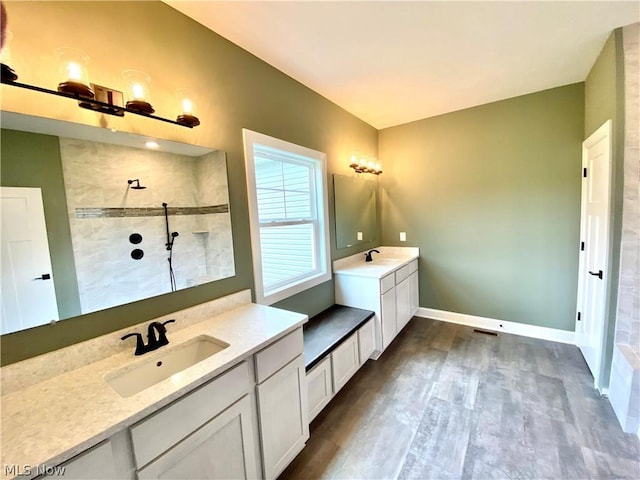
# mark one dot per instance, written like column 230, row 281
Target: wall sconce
column 73, row 67
column 138, row 91
column 5, row 52
column 363, row 166
column 189, row 108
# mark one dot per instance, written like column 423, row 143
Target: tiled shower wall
column 628, row 318
column 624, row 384
column 104, row 211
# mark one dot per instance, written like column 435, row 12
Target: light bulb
column 187, row 106
column 138, row 91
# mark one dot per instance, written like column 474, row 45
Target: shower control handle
column 44, row 276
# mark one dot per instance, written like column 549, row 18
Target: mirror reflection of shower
column 137, row 185
column 171, row 237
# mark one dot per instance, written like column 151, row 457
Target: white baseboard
column 533, row 331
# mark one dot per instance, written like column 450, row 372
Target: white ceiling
column 392, row 62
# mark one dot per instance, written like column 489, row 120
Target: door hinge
column 584, row 172
column 579, row 315
column 582, row 246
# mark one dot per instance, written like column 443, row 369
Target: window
column 288, row 213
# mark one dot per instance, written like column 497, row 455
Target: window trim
column 322, row 240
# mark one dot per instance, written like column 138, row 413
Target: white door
column 594, row 247
column 28, row 295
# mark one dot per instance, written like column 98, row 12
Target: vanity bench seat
column 337, row 342
column 325, row 331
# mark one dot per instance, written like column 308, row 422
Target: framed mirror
column 355, row 206
column 121, row 217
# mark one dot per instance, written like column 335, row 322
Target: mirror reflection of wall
column 105, row 210
column 355, row 206
column 107, row 236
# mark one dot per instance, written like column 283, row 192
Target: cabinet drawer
column 366, row 341
column 223, row 448
column 277, row 355
column 344, row 362
column 386, row 283
column 319, row 387
column 404, row 272
column 159, row 432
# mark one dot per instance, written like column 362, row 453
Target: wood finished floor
column 445, row 402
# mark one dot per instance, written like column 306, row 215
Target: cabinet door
column 366, row 341
column 223, row 448
column 284, row 424
column 97, row 463
column 414, row 292
column 388, row 319
column 403, row 303
column 345, row 362
column 319, row 387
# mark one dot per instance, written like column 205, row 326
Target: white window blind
column 288, row 217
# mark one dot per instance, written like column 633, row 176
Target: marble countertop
column 51, row 421
column 388, row 260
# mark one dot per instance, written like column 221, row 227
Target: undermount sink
column 163, row 364
column 384, row 261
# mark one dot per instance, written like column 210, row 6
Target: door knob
column 44, row 276
column 596, row 274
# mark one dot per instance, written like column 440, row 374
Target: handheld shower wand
column 171, row 237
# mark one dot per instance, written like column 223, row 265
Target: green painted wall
column 33, row 160
column 604, row 100
column 491, row 195
column 237, row 91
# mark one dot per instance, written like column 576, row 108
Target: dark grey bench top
column 326, row 331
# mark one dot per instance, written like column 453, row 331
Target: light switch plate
column 359, row 235
column 403, row 236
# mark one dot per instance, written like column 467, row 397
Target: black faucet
column 367, row 256
column 154, row 341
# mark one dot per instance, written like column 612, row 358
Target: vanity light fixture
column 363, row 166
column 188, row 103
column 73, row 67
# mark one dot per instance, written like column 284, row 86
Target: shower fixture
column 137, row 185
column 171, row 237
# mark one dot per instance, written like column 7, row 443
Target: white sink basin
column 163, row 364
column 384, row 261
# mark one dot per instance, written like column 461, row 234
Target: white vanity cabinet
column 392, row 295
column 107, row 460
column 282, row 402
column 209, row 433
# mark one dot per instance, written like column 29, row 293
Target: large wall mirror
column 93, row 219
column 355, row 205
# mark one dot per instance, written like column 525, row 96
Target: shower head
column 137, row 185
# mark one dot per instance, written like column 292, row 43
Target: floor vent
column 486, row 332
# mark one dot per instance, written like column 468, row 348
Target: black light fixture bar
column 91, row 101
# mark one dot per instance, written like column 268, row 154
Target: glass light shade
column 354, row 161
column 188, row 107
column 137, row 91
column 8, row 73
column 73, row 65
